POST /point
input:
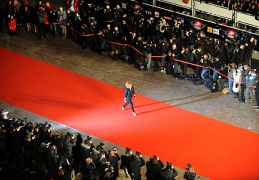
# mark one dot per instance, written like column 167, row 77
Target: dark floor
column 66, row 54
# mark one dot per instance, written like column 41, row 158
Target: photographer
column 153, row 168
column 229, row 47
column 69, row 143
column 118, row 12
column 88, row 169
column 216, row 67
column 205, row 61
column 164, row 50
column 108, row 14
column 251, row 82
column 175, row 55
column 29, row 143
column 100, row 163
column 147, row 50
column 244, row 76
column 64, row 172
column 86, row 148
column 53, row 20
column 197, row 54
column 190, row 39
column 169, row 173
column 185, row 56
column 84, row 39
column 41, row 16
column 125, row 160
column 249, row 47
column 135, row 166
column 189, row 173
column 113, row 158
column 156, row 52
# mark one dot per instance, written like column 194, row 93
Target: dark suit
column 128, row 96
column 135, row 166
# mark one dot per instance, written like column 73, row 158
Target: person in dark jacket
column 69, row 143
column 216, row 64
column 88, row 169
column 185, row 56
column 135, row 166
column 249, row 47
column 41, row 15
column 205, row 61
column 169, row 173
column 154, row 166
column 244, row 75
column 129, row 91
column 113, row 158
column 64, row 172
column 125, row 160
column 197, row 54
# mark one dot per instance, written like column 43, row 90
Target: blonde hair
column 128, row 84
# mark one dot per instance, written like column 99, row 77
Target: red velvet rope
column 181, row 61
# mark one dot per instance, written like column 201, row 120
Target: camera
column 188, row 166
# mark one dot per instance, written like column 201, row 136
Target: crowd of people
column 135, row 35
column 31, row 150
column 245, row 6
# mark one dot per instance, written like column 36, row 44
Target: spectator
column 27, row 18
column 62, row 21
column 1, row 20
column 12, row 26
column 41, row 16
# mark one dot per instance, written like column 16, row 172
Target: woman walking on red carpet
column 129, row 91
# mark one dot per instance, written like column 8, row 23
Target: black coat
column 135, row 166
column 153, row 170
column 166, row 174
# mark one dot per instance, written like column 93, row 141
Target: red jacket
column 12, row 25
column 47, row 10
column 76, row 4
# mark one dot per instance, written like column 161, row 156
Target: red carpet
column 217, row 150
